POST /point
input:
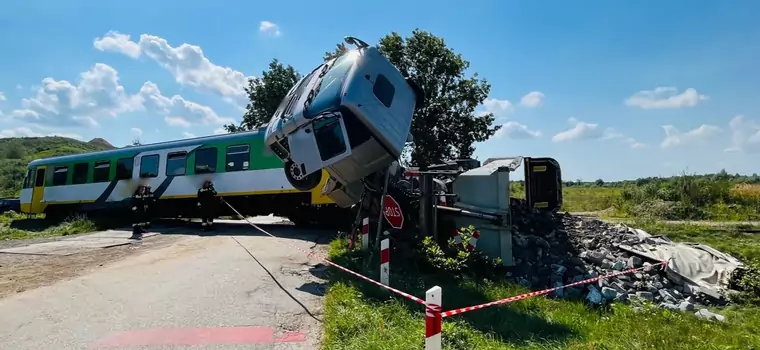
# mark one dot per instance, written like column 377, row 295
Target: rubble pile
column 551, row 250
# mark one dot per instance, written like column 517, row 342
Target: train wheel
column 298, row 180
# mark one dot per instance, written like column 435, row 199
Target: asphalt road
column 203, row 292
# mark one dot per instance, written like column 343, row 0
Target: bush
column 457, row 262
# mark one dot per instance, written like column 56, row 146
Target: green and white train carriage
column 243, row 170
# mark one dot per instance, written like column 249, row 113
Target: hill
column 16, row 153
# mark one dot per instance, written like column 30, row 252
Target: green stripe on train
column 260, row 157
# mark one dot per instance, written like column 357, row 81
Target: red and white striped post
column 365, row 234
column 433, row 318
column 473, row 241
column 457, row 238
column 385, row 260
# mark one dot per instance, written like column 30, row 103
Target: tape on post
column 433, row 318
column 473, row 241
column 365, row 234
column 385, row 260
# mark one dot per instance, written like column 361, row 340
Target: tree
column 136, row 142
column 265, row 95
column 447, row 127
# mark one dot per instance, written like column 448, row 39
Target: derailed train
column 243, row 170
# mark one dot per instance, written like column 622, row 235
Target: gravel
column 551, row 250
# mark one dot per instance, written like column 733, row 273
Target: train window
column 176, row 163
column 238, row 157
column 205, row 160
column 39, row 180
column 80, row 173
column 329, row 136
column 384, row 90
column 149, row 166
column 60, row 175
column 28, row 179
column 102, row 171
column 124, row 168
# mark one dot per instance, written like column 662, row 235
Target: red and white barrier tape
column 323, row 259
column 545, row 291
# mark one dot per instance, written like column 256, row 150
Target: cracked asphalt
column 204, row 292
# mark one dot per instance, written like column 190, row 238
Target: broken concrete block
column 708, row 315
column 609, row 293
column 645, row 296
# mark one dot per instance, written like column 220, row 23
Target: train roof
column 133, row 150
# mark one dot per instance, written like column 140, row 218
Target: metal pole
column 380, row 217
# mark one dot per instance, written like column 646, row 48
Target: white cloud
column 117, row 42
column 99, row 94
column 515, row 130
column 579, row 131
column 665, row 97
column 592, row 131
column 499, row 108
column 136, row 132
column 27, row 132
column 220, row 131
column 61, row 103
column 2, row 96
column 674, row 137
column 745, row 135
column 187, row 63
column 269, row 28
column 177, row 110
column 532, row 99
column 187, row 135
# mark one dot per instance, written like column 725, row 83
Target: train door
column 543, row 183
column 38, row 191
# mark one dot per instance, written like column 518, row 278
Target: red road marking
column 198, row 336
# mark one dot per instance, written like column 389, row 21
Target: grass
column 18, row 226
column 738, row 202
column 360, row 316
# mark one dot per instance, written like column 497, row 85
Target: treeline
column 753, row 179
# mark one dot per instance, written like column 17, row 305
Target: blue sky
column 612, row 89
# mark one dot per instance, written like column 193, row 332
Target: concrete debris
column 707, row 315
column 557, row 249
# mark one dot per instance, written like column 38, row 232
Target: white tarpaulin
column 690, row 264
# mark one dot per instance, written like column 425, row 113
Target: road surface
column 204, row 292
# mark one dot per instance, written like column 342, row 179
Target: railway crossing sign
column 392, row 212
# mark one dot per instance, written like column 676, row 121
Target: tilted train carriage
column 243, row 170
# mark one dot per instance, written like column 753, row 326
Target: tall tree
column 447, row 127
column 265, row 94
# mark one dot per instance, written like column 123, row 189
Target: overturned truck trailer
column 482, row 197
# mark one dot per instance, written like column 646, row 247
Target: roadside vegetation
column 714, row 197
column 17, row 152
column 361, row 316
column 20, row 226
column 15, row 155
